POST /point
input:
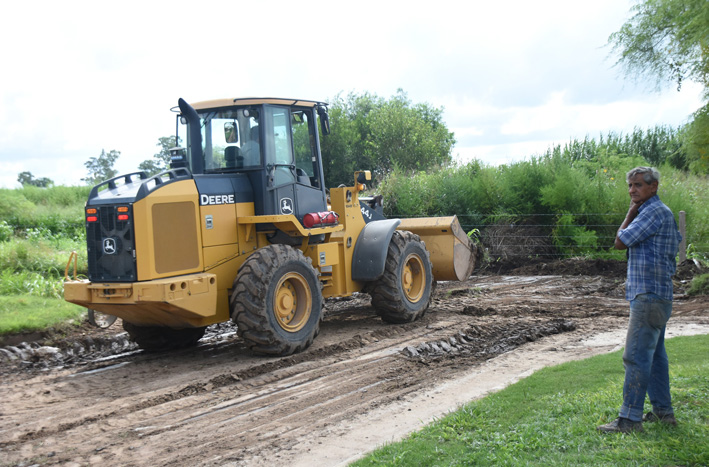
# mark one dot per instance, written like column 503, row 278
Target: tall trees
column 372, row 133
column 101, row 168
column 161, row 160
column 26, row 178
column 668, row 41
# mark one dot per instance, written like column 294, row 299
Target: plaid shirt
column 653, row 241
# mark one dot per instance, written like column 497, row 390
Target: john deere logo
column 286, row 206
column 109, row 246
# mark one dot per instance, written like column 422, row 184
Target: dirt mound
column 570, row 266
column 687, row 269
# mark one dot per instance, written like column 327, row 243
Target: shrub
column 699, row 285
column 5, row 231
column 573, row 239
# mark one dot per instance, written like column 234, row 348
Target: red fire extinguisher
column 320, row 219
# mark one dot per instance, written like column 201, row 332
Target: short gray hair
column 650, row 174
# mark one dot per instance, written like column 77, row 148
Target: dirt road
column 362, row 383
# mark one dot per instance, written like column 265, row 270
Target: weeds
column 699, row 285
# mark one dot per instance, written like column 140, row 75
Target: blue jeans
column 645, row 359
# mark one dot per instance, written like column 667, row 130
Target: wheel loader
column 242, row 228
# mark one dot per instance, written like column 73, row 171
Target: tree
column 668, row 40
column 344, row 149
column 26, row 178
column 697, row 142
column 372, row 133
column 410, row 137
column 101, row 168
column 161, row 160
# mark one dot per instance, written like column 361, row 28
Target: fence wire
column 511, row 235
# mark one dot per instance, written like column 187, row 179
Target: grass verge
column 26, row 313
column 550, row 418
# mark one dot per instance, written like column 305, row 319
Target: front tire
column 403, row 293
column 159, row 338
column 276, row 301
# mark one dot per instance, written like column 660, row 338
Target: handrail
column 73, row 256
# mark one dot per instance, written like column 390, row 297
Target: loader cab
column 274, row 143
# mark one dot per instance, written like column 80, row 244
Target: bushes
column 576, row 196
column 699, row 285
column 40, row 228
column 57, row 210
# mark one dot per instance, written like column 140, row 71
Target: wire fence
column 562, row 235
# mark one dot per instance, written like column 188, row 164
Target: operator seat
column 251, row 149
column 233, row 157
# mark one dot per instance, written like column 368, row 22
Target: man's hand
column 633, row 211
column 632, row 214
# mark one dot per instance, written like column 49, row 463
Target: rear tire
column 403, row 293
column 276, row 301
column 159, row 338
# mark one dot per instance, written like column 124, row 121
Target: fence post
column 683, row 232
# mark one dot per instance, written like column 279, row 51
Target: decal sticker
column 286, row 206
column 366, row 213
column 206, row 200
column 109, row 246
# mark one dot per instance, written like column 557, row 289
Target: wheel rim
column 413, row 278
column 292, row 302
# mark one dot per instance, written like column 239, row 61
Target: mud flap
column 370, row 251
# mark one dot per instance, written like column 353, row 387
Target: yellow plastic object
column 452, row 253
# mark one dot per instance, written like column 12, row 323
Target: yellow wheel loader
column 241, row 227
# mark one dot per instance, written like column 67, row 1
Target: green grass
column 41, row 253
column 699, row 285
column 22, row 313
column 550, row 418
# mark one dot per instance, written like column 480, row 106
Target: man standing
column 650, row 234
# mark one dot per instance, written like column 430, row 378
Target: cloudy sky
column 514, row 76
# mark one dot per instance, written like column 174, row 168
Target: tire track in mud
column 218, row 404
column 250, row 409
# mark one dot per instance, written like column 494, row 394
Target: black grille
column 111, row 246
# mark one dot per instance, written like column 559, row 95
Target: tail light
column 91, row 215
column 123, row 213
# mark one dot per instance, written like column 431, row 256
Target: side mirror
column 324, row 119
column 231, row 135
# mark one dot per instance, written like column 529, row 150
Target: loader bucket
column 453, row 255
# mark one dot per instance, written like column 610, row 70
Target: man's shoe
column 668, row 419
column 621, row 425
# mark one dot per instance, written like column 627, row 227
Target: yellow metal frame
column 188, row 300
column 289, row 224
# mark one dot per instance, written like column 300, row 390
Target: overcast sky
column 514, row 77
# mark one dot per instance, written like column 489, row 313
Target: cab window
column 303, row 129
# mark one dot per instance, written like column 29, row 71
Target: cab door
column 289, row 179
